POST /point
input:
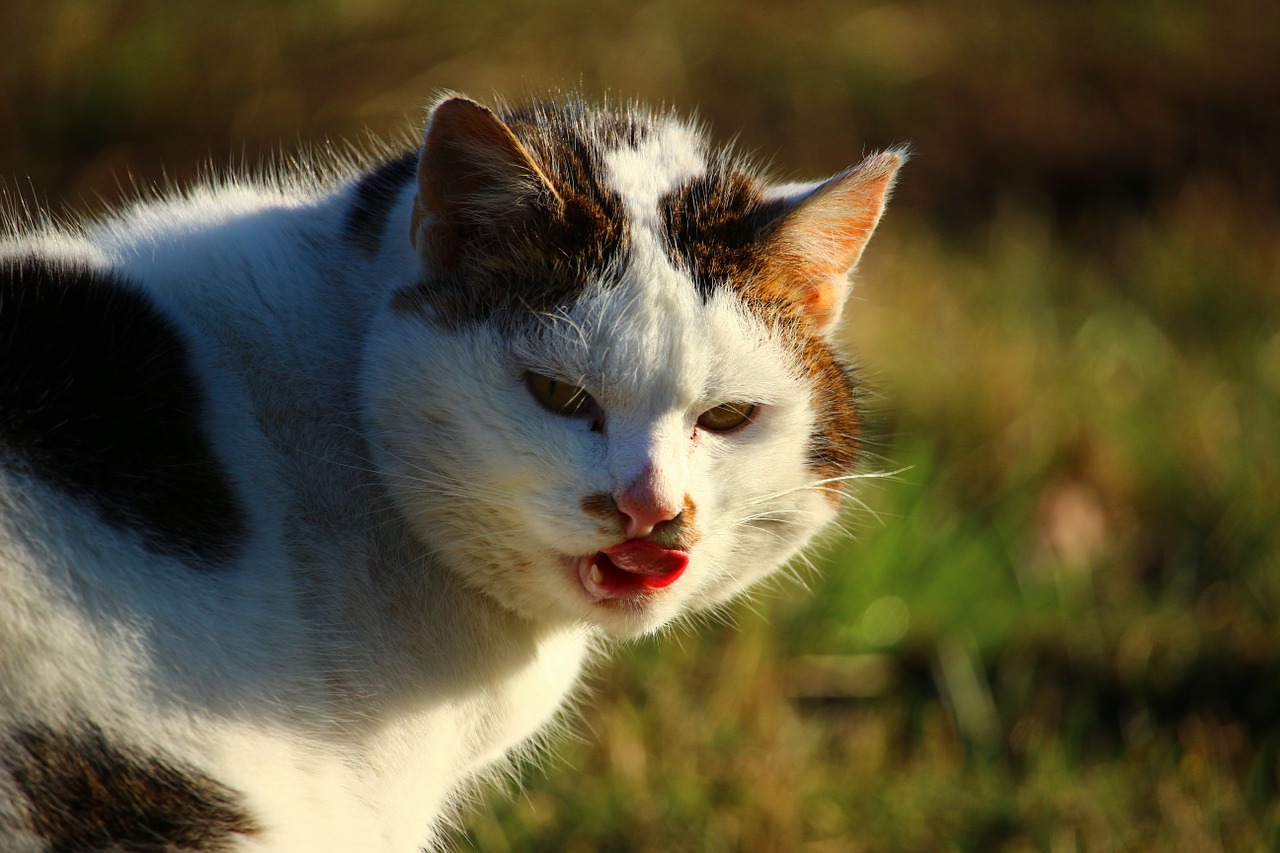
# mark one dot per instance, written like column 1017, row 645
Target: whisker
column 820, row 485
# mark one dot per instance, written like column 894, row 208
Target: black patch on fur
column 98, row 397
column 535, row 260
column 716, row 227
column 80, row 792
column 376, row 192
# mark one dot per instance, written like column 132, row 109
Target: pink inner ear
column 827, row 232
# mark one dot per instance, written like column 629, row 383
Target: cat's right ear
column 473, row 172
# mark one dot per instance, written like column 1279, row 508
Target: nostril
column 667, row 528
column 647, row 501
column 640, row 520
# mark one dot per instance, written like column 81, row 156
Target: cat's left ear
column 823, row 232
column 474, row 176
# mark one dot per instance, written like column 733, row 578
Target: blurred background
column 1053, row 625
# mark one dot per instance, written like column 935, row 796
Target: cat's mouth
column 630, row 568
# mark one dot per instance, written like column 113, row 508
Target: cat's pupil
column 727, row 416
column 557, row 397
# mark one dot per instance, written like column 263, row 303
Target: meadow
column 1051, row 619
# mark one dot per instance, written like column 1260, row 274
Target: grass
column 1055, row 628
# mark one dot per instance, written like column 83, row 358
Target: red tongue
column 645, row 558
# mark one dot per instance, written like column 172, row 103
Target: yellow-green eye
column 726, row 416
column 557, row 397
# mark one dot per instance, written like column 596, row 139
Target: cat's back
column 102, row 402
column 147, row 362
column 142, row 560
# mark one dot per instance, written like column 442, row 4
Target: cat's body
column 314, row 499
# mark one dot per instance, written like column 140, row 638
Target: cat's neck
column 298, row 345
column 290, row 340
column 438, row 639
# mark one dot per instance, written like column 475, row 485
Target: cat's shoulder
column 101, row 399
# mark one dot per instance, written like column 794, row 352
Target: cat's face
column 612, row 399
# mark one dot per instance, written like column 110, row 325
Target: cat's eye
column 557, row 397
column 727, row 416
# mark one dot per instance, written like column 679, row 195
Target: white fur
column 404, row 616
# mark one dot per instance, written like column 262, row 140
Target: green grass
column 1054, row 626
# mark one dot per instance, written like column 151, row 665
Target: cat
column 317, row 494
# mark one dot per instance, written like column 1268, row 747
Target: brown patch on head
column 834, row 446
column 601, row 505
column 689, row 535
column 513, row 213
column 784, row 258
column 714, row 226
column 80, row 791
column 680, row 533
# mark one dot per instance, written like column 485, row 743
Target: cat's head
column 613, row 396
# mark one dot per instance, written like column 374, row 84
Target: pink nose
column 643, row 509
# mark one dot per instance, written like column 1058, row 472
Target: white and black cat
column 314, row 496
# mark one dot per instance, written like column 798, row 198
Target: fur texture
column 314, row 499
